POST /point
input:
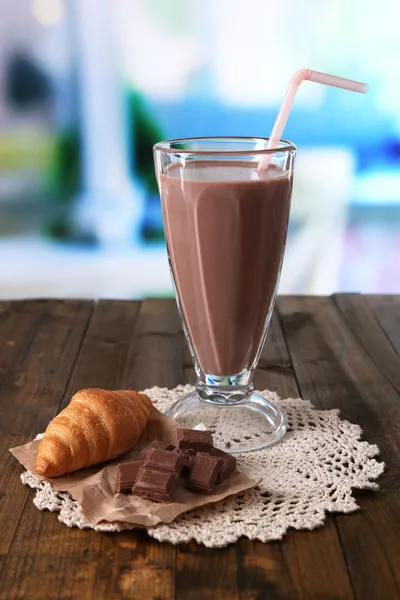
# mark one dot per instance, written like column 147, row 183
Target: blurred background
column 87, row 88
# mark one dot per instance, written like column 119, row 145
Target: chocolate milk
column 225, row 228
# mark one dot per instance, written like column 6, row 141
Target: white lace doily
column 311, row 472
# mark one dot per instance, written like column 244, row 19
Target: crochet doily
column 310, row 472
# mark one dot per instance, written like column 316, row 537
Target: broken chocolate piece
column 228, row 464
column 154, row 484
column 159, row 444
column 192, row 440
column 164, row 460
column 127, row 473
column 187, row 464
column 187, row 461
column 205, row 472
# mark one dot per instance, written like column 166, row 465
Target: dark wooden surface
column 340, row 352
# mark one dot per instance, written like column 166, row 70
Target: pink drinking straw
column 298, row 77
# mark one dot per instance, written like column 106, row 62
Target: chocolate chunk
column 127, row 473
column 187, row 464
column 154, row 484
column 205, row 472
column 159, row 444
column 164, row 460
column 188, row 460
column 228, row 464
column 193, row 441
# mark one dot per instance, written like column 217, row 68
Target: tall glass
column 225, row 223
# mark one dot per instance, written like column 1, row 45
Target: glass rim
column 165, row 146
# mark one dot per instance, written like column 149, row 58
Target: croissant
column 96, row 426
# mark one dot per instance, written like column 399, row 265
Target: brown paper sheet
column 94, row 487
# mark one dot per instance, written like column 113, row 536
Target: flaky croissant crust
column 96, row 426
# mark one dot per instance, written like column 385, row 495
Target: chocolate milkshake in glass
column 225, row 222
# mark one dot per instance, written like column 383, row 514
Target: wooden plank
column 287, row 569
column 44, row 552
column 39, row 341
column 387, row 311
column 156, row 351
column 4, row 306
column 19, row 321
column 121, row 566
column 104, row 565
column 142, row 568
column 357, row 313
column 272, row 571
column 205, row 574
column 324, row 349
column 102, row 359
column 334, row 371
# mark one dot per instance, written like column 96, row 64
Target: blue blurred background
column 87, row 87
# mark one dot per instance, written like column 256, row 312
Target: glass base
column 250, row 424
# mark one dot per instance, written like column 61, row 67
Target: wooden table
column 339, row 352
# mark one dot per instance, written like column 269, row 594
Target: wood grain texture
column 128, row 565
column 290, row 566
column 39, row 341
column 273, row 571
column 387, row 312
column 340, row 353
column 335, row 371
column 156, row 352
column 104, row 351
column 363, row 324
